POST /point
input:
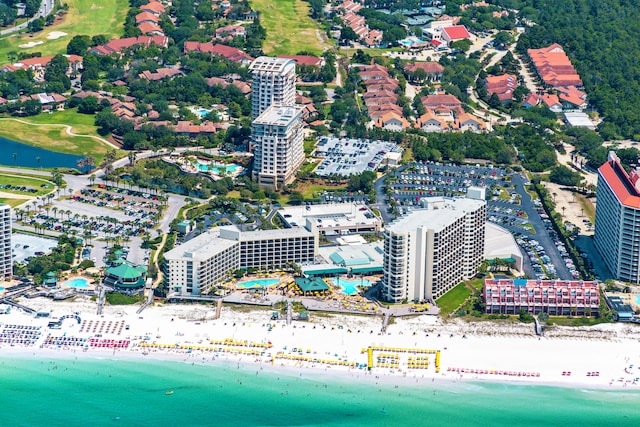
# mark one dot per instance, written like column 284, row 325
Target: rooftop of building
column 201, row 247
column 623, row 185
column 269, row 63
column 438, row 214
column 329, row 215
column 279, row 115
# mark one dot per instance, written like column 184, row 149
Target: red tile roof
column 621, row 183
column 228, row 52
column 150, row 28
column 428, row 67
column 457, row 32
column 146, row 17
column 153, row 7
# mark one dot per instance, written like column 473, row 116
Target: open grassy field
column 25, row 181
column 289, row 27
column 89, row 17
column 49, row 131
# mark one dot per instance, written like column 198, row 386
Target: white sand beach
column 604, row 356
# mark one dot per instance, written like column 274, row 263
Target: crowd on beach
column 337, row 343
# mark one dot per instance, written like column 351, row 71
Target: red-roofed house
column 469, row 122
column 230, row 31
column 161, row 73
column 433, row 70
column 146, row 17
column 154, row 7
column 572, row 98
column 230, row 53
column 552, row 102
column 503, row 86
column 377, row 111
column 455, row 33
column 149, row 28
column 554, row 67
column 38, row 65
column 429, row 122
column 116, row 46
column 393, row 122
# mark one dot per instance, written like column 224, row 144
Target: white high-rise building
column 273, row 83
column 210, row 258
column 277, row 132
column 431, row 250
column 617, row 234
column 278, row 150
column 6, row 261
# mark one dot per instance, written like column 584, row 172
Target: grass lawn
column 587, row 205
column 311, row 190
column 88, row 17
column 53, row 135
column 24, row 181
column 11, row 202
column 289, row 27
column 450, row 301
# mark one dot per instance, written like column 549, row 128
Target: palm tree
column 55, row 211
column 92, row 178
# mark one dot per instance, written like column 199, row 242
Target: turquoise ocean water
column 103, row 392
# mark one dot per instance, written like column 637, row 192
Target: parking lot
column 102, row 216
column 508, row 205
column 25, row 246
column 351, row 156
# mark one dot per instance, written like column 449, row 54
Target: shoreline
column 332, row 346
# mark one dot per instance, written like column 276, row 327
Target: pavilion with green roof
column 125, row 275
column 50, row 281
column 314, row 284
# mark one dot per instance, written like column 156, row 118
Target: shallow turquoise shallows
column 258, row 283
column 103, row 392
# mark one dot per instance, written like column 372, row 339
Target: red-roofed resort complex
column 617, row 235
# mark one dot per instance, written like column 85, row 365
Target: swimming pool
column 217, row 168
column 637, row 299
column 349, row 286
column 202, row 112
column 1, row 289
column 258, row 283
column 78, row 283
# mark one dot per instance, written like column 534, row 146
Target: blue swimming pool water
column 217, row 168
column 349, row 286
column 202, row 112
column 78, row 283
column 258, row 283
column 638, row 299
column 1, row 289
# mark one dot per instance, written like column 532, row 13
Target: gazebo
column 50, row 281
column 123, row 274
column 315, row 284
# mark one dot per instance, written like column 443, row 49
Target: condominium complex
column 277, row 132
column 617, row 234
column 6, row 261
column 273, row 83
column 203, row 262
column 554, row 297
column 431, row 250
column 278, row 145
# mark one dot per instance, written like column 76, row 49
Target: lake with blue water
column 27, row 156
